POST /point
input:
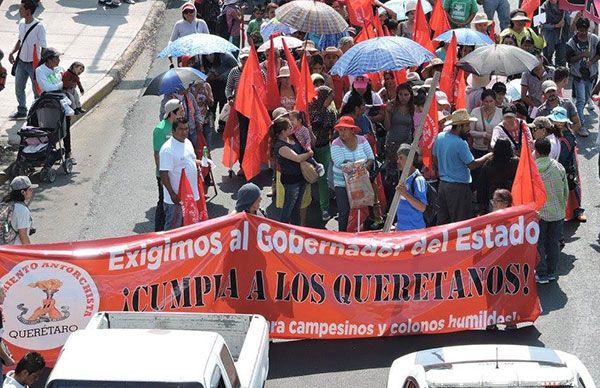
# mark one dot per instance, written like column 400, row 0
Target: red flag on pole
column 449, row 69
column 231, row 140
column 36, row 62
column 291, row 62
column 422, row 34
column 251, row 75
column 528, row 186
column 529, row 6
column 439, row 20
column 430, row 131
column 359, row 11
column 257, row 145
column 273, row 98
column 492, row 32
column 188, row 204
column 460, row 96
column 201, row 203
column 305, row 91
column 401, row 76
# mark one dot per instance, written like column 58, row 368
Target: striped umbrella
column 381, row 54
column 311, row 16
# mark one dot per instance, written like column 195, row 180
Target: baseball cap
column 21, row 182
column 549, row 85
column 170, row 106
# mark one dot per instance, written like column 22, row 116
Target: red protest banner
column 309, row 283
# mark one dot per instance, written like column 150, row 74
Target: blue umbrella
column 465, row 36
column 174, row 80
column 197, row 44
column 399, row 6
column 381, row 54
column 274, row 25
column 331, row 40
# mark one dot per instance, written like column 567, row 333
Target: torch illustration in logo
column 47, row 312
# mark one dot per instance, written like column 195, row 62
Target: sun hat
column 509, row 111
column 549, row 85
column 309, row 45
column 460, row 116
column 519, row 15
column 333, row 50
column 411, row 6
column 541, row 122
column 244, row 53
column 441, row 98
column 413, row 76
column 284, row 72
column 188, row 6
column 316, row 77
column 246, row 196
column 21, row 182
column 346, row 122
column 170, row 106
column 480, row 18
column 279, row 113
column 434, row 62
column 559, row 115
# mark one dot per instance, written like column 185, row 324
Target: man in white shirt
column 175, row 155
column 24, row 50
column 27, row 372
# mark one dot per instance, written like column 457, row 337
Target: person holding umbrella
column 189, row 24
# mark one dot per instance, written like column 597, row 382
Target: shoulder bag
column 13, row 70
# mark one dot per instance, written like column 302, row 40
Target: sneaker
column 320, row 169
column 583, row 132
column 325, row 216
column 581, row 217
column 80, row 111
column 541, row 279
column 18, row 116
column 551, row 277
column 111, row 4
column 129, row 1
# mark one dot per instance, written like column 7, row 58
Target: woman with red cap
column 348, row 147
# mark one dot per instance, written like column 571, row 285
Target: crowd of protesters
column 373, row 120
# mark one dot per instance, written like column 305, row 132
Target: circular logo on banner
column 45, row 302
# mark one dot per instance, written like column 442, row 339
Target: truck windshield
column 121, row 384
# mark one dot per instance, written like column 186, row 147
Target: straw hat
column 310, row 47
column 460, row 116
column 333, row 50
column 279, row 113
column 412, row 76
column 284, row 72
column 481, row 18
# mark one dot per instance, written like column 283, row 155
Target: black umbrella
column 174, row 80
column 498, row 59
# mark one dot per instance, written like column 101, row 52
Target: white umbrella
column 290, row 41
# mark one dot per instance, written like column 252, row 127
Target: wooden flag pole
column 413, row 149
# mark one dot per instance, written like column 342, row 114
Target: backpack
column 433, row 203
column 222, row 28
column 8, row 233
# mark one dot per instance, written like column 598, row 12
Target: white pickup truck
column 122, row 349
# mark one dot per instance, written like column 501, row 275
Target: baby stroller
column 42, row 139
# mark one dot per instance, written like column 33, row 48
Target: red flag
column 529, row 6
column 305, row 90
column 291, row 62
column 359, row 11
column 422, row 34
column 448, row 71
column 273, row 98
column 460, row 96
column 376, row 81
column 430, row 131
column 379, row 32
column 257, row 148
column 492, row 31
column 251, row 75
column 400, row 76
column 528, row 186
column 36, row 62
column 439, row 20
column 231, row 140
column 201, row 202
column 188, row 204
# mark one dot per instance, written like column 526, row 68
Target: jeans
column 503, row 9
column 549, row 247
column 583, row 90
column 554, row 45
column 173, row 216
column 24, row 72
column 323, row 156
column 159, row 215
column 290, row 213
column 343, row 205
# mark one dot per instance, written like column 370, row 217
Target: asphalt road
column 112, row 192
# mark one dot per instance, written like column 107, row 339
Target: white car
column 489, row 366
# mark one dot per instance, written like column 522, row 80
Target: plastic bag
column 358, row 185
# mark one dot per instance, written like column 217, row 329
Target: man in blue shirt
column 413, row 201
column 454, row 160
